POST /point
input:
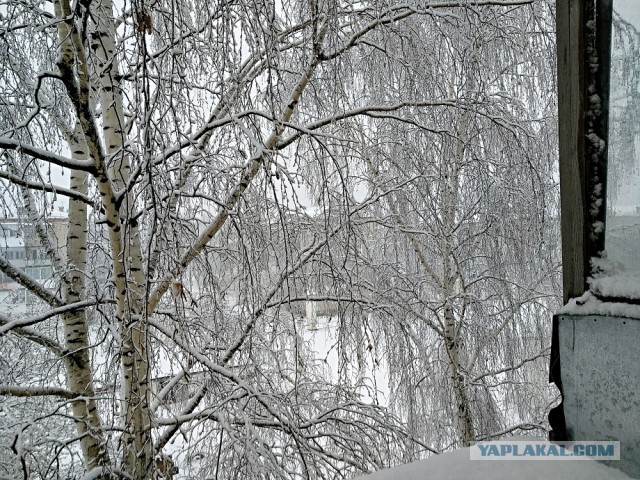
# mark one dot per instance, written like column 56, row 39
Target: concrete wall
column 601, row 377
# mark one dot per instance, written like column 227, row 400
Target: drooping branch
column 42, row 232
column 45, row 187
column 251, row 169
column 45, row 155
column 366, row 111
column 527, row 427
column 402, row 11
column 72, row 307
column 35, row 337
column 29, row 283
column 218, row 369
column 512, row 368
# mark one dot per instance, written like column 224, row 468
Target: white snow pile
column 614, row 279
column 589, row 304
column 458, row 466
column 624, row 284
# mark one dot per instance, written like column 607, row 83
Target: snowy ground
column 457, row 466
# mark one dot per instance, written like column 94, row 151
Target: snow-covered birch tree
column 480, row 221
column 231, row 161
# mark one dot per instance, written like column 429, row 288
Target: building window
column 39, row 273
column 46, row 273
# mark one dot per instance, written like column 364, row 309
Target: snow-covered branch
column 45, row 155
column 543, row 354
column 35, row 337
column 20, row 391
column 72, row 307
column 29, row 283
column 367, row 111
column 46, row 187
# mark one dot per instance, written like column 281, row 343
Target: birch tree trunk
column 125, row 252
column 77, row 361
column 80, row 378
column 452, row 167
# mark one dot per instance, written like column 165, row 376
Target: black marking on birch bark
column 73, row 356
column 73, row 341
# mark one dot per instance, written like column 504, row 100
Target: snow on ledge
column 614, row 279
column 589, row 304
column 457, row 466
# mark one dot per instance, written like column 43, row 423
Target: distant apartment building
column 21, row 246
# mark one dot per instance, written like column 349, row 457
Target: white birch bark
column 77, row 361
column 126, row 253
column 79, row 368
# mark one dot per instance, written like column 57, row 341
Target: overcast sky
column 629, row 10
